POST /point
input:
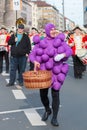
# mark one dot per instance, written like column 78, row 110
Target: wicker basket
column 37, row 80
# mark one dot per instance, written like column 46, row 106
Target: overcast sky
column 73, row 9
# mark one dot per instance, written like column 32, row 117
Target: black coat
column 23, row 47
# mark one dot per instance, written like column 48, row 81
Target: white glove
column 59, row 57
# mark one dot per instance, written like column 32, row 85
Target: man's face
column 3, row 31
column 20, row 30
column 34, row 31
column 53, row 32
column 77, row 31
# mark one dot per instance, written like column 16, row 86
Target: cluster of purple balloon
column 45, row 52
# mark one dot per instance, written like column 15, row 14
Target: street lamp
column 63, row 14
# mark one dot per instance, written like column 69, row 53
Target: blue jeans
column 17, row 63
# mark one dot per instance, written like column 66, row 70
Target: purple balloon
column 56, row 85
column 42, row 67
column 64, row 44
column 61, row 77
column 61, row 50
column 65, row 68
column 57, row 43
column 36, row 39
column 39, row 51
column 43, row 44
column 61, row 36
column 49, row 65
column 56, row 70
column 45, row 58
column 59, row 64
column 50, row 52
column 54, row 78
column 38, row 58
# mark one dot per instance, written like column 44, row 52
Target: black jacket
column 23, row 47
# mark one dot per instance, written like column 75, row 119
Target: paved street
column 21, row 109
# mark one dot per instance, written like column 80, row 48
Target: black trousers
column 79, row 67
column 55, row 100
column 4, row 54
column 31, row 66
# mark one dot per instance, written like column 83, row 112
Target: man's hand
column 36, row 65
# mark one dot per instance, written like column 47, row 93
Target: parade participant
column 20, row 48
column 85, row 40
column 50, row 54
column 33, row 32
column 4, row 49
column 76, row 43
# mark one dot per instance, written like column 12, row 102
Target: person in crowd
column 42, row 33
column 34, row 31
column 50, row 54
column 20, row 49
column 85, row 40
column 76, row 43
column 4, row 49
column 11, row 32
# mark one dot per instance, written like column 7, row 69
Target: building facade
column 36, row 13
column 85, row 13
column 69, row 24
column 2, row 11
column 43, row 13
column 9, row 16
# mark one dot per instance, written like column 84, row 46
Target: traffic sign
column 16, row 4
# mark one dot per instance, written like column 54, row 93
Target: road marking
column 20, row 110
column 7, row 80
column 18, row 94
column 34, row 117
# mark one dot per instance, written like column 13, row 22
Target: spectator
column 20, row 48
column 4, row 49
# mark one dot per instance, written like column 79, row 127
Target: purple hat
column 48, row 28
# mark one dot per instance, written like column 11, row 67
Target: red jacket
column 71, row 42
column 85, row 40
column 5, row 42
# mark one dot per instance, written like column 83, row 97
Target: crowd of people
column 76, row 39
column 48, row 49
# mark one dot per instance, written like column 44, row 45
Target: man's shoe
column 9, row 84
column 54, row 122
column 46, row 115
column 7, row 72
column 80, row 76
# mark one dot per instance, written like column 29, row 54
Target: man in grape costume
column 51, row 54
